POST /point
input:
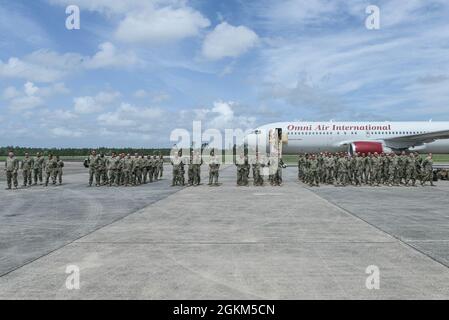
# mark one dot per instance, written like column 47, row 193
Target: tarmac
column 160, row 242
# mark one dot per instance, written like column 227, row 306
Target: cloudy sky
column 138, row 69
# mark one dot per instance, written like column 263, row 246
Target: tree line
column 20, row 151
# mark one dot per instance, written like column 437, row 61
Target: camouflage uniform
column 258, row 178
column 214, row 167
column 277, row 177
column 368, row 168
column 393, row 170
column 50, row 166
column 197, row 162
column 102, row 170
column 127, row 169
column 404, row 159
column 176, row 163
column 301, row 161
column 59, row 170
column 410, row 175
column 343, row 171
column 156, row 167
column 11, row 168
column 145, row 164
column 427, row 171
column 329, row 169
column 376, row 171
column 359, row 170
column 26, row 166
column 93, row 163
column 313, row 178
column 150, row 169
column 242, row 175
column 161, row 165
column 38, row 168
column 113, row 165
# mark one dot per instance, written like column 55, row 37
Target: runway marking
column 268, row 194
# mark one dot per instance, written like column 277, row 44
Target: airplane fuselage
column 313, row 137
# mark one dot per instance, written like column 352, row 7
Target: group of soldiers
column 33, row 169
column 245, row 165
column 260, row 167
column 339, row 169
column 124, row 169
column 194, row 163
column 371, row 169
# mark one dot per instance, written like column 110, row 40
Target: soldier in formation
column 214, row 167
column 33, row 168
column 59, row 171
column 50, row 168
column 372, row 169
column 243, row 168
column 26, row 166
column 11, row 169
column 123, row 169
column 38, row 167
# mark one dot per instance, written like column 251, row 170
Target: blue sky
column 138, row 69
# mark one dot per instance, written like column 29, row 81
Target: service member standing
column 197, row 162
column 127, row 168
column 156, row 167
column 112, row 166
column 176, row 163
column 427, row 168
column 27, row 166
column 214, row 167
column 38, row 167
column 93, row 163
column 145, row 164
column 161, row 165
column 58, row 170
column 242, row 177
column 11, row 169
column 50, row 167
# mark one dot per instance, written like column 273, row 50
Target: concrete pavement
column 231, row 242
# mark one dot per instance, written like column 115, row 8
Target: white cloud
column 107, row 56
column 50, row 66
column 31, row 96
column 33, row 71
column 140, row 94
column 10, row 93
column 30, row 89
column 59, row 115
column 161, row 25
column 297, row 12
column 222, row 116
column 155, row 97
column 228, row 41
column 128, row 116
column 107, row 7
column 88, row 104
column 65, row 133
column 24, row 103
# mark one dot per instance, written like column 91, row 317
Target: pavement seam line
column 95, row 230
column 380, row 229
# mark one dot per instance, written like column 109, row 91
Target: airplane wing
column 415, row 139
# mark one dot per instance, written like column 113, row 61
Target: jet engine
column 368, row 147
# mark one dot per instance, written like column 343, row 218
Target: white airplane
column 353, row 137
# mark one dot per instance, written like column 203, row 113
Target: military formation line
column 124, row 169
column 33, row 170
column 365, row 169
column 338, row 169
